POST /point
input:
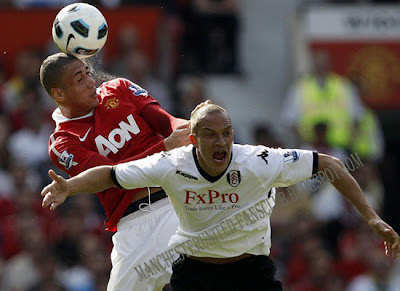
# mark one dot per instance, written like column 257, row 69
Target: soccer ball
column 80, row 30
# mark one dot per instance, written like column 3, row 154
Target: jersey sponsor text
column 211, row 197
column 113, row 144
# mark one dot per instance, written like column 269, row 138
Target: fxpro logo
column 117, row 137
column 211, row 197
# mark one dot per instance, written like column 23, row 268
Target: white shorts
column 141, row 236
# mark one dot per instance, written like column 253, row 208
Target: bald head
column 199, row 115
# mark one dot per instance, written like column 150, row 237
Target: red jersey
column 127, row 124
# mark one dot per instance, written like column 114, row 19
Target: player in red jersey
column 119, row 121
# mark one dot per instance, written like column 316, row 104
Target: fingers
column 202, row 104
column 389, row 250
column 45, row 190
column 389, row 236
column 392, row 250
column 53, row 206
column 185, row 125
column 386, row 233
column 186, row 130
column 396, row 244
column 386, row 248
column 47, row 200
column 396, row 248
column 55, row 177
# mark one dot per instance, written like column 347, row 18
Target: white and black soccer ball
column 80, row 29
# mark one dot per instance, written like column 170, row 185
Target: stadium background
column 168, row 48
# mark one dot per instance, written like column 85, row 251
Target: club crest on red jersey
column 112, row 103
column 234, row 178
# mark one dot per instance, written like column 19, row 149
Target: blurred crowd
column 319, row 242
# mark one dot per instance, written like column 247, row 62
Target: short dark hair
column 52, row 70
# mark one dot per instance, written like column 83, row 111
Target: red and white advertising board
column 364, row 45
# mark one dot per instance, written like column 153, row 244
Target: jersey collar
column 59, row 118
column 206, row 176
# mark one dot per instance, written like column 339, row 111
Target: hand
column 389, row 236
column 202, row 104
column 55, row 194
column 179, row 137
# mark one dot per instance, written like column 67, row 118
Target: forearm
column 347, row 186
column 91, row 181
column 160, row 120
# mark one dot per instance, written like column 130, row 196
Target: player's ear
column 193, row 140
column 57, row 94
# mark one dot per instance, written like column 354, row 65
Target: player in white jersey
column 214, row 183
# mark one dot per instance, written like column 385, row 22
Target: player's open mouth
column 219, row 156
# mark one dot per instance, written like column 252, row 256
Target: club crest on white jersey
column 234, row 178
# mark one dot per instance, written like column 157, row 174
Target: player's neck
column 207, row 170
column 71, row 113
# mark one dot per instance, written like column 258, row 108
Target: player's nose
column 220, row 139
column 91, row 82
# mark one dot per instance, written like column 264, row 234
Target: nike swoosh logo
column 82, row 139
column 70, row 36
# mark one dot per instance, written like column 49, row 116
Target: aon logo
column 114, row 143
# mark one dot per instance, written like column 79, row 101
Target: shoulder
column 68, row 135
column 121, row 84
column 253, row 156
column 61, row 148
column 114, row 83
column 61, row 140
column 171, row 159
column 250, row 156
column 125, row 91
column 180, row 155
column 159, row 164
column 244, row 152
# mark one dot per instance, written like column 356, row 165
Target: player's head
column 68, row 81
column 212, row 136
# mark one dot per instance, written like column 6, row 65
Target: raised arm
column 348, row 187
column 90, row 181
column 175, row 130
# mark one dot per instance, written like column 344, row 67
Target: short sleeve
column 147, row 172
column 282, row 167
column 70, row 156
column 139, row 95
column 293, row 166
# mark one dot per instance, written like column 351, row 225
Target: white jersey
column 241, row 194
